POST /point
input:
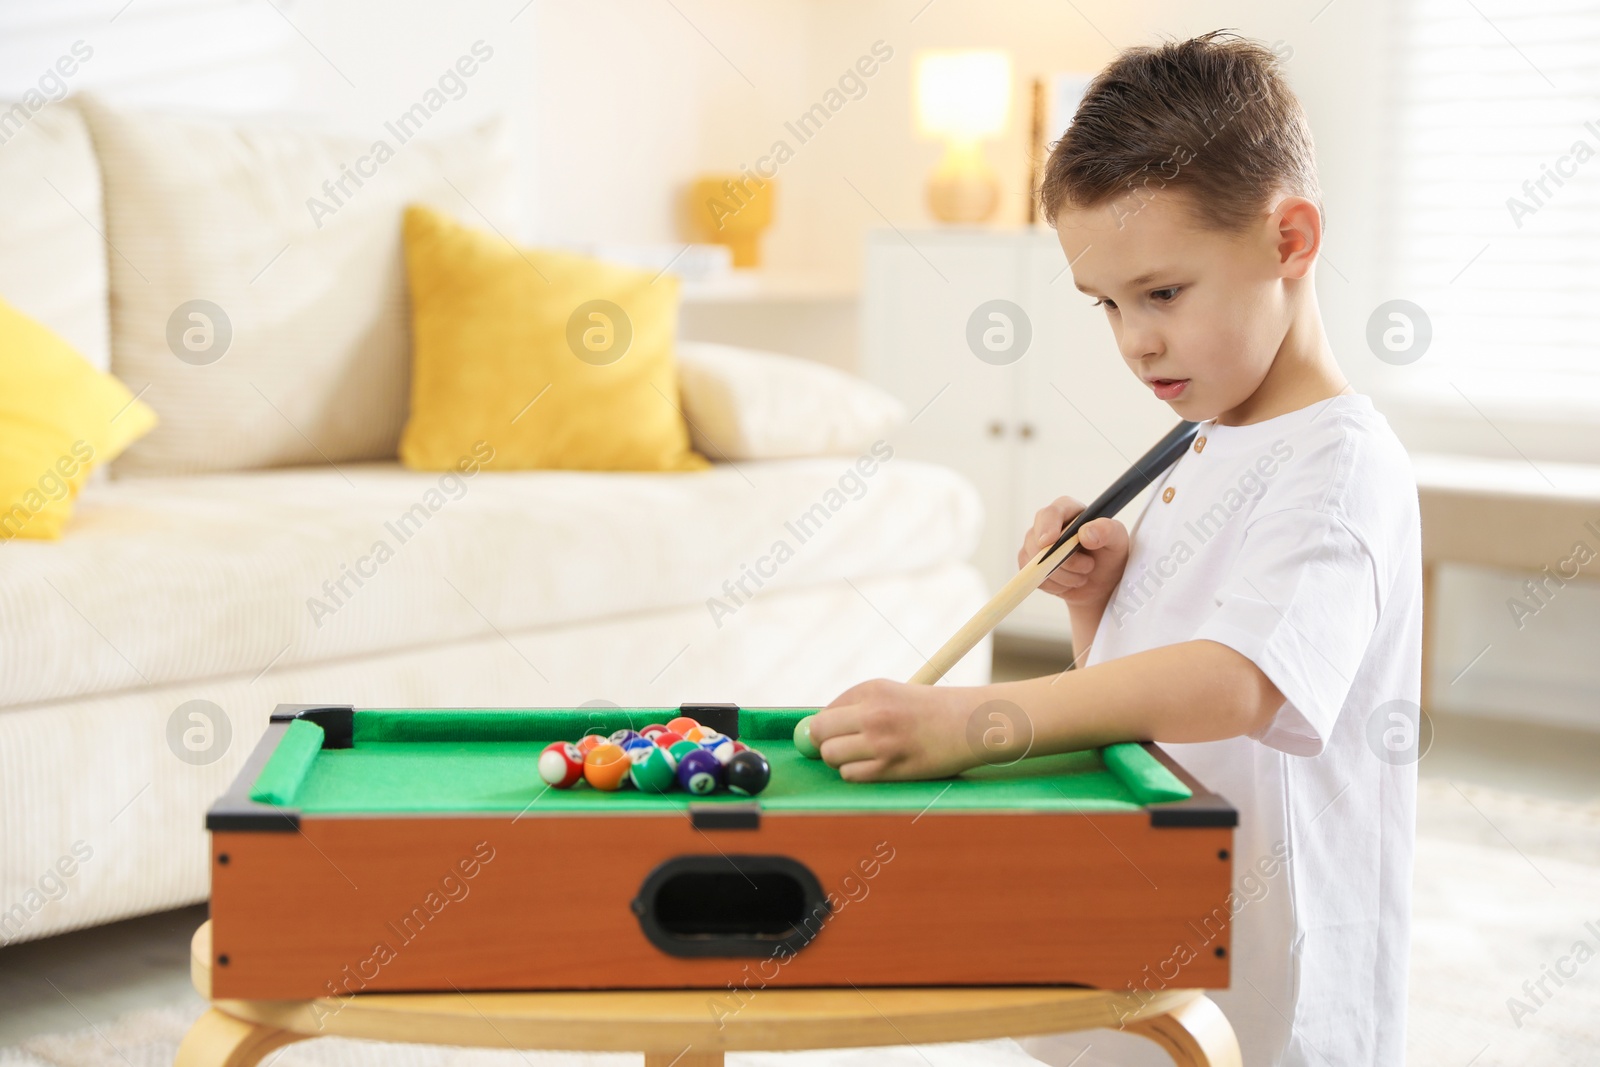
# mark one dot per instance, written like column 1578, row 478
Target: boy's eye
column 1160, row 296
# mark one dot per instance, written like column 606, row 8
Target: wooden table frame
column 673, row 1027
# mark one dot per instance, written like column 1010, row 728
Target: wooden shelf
column 759, row 287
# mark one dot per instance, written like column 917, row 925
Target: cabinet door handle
column 1026, row 430
column 997, row 428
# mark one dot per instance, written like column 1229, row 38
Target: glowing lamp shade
column 963, row 97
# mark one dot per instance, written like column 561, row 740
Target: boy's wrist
column 1088, row 613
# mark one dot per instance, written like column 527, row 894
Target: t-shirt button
column 1167, row 494
column 1199, row 444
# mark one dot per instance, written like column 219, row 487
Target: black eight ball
column 748, row 772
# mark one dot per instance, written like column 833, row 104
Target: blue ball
column 621, row 737
column 699, row 772
column 638, row 744
column 720, row 747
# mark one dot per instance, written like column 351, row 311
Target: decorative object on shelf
column 1055, row 101
column 1036, row 153
column 963, row 98
column 732, row 210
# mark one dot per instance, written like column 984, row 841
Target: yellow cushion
column 59, row 419
column 553, row 360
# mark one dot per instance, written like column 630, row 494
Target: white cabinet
column 1065, row 417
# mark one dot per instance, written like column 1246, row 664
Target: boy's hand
column 893, row 731
column 1090, row 575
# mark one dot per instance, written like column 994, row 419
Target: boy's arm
column 1085, row 620
column 1192, row 691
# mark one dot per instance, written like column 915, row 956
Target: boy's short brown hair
column 1213, row 114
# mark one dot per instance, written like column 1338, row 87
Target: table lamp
column 963, row 98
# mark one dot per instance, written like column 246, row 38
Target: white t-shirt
column 1296, row 542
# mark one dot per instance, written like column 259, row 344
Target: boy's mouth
column 1167, row 388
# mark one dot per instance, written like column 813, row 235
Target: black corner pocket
column 733, row 905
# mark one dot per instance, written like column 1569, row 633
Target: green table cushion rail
column 484, row 761
column 501, row 724
column 280, row 780
column 1143, row 774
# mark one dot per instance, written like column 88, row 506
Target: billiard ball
column 622, row 737
column 651, row 730
column 561, row 764
column 720, row 747
column 638, row 744
column 802, row 739
column 667, row 738
column 699, row 772
column 655, row 771
column 682, row 725
column 748, row 772
column 589, row 742
column 700, row 733
column 606, row 766
column 681, row 749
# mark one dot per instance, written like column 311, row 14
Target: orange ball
column 682, row 725
column 589, row 742
column 605, row 766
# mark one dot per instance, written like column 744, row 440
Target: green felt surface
column 485, row 761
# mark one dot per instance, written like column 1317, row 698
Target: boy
column 1263, row 619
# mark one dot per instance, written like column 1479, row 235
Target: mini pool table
column 418, row 850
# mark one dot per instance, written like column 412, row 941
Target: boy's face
column 1198, row 315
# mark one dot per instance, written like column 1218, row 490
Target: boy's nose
column 1139, row 346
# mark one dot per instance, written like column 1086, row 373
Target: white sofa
column 216, row 567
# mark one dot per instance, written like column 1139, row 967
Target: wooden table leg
column 217, row 1039
column 1194, row 1034
column 683, row 1059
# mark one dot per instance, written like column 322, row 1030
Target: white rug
column 1506, row 889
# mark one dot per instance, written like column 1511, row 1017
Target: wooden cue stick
column 1133, row 481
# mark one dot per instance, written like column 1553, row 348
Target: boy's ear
column 1297, row 226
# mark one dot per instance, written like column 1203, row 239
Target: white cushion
column 165, row 580
column 318, row 368
column 745, row 404
column 52, row 259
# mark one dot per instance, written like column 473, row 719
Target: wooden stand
column 677, row 1028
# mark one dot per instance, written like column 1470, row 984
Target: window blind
column 1494, row 220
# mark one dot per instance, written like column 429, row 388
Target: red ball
column 561, row 764
column 653, row 729
column 667, row 738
